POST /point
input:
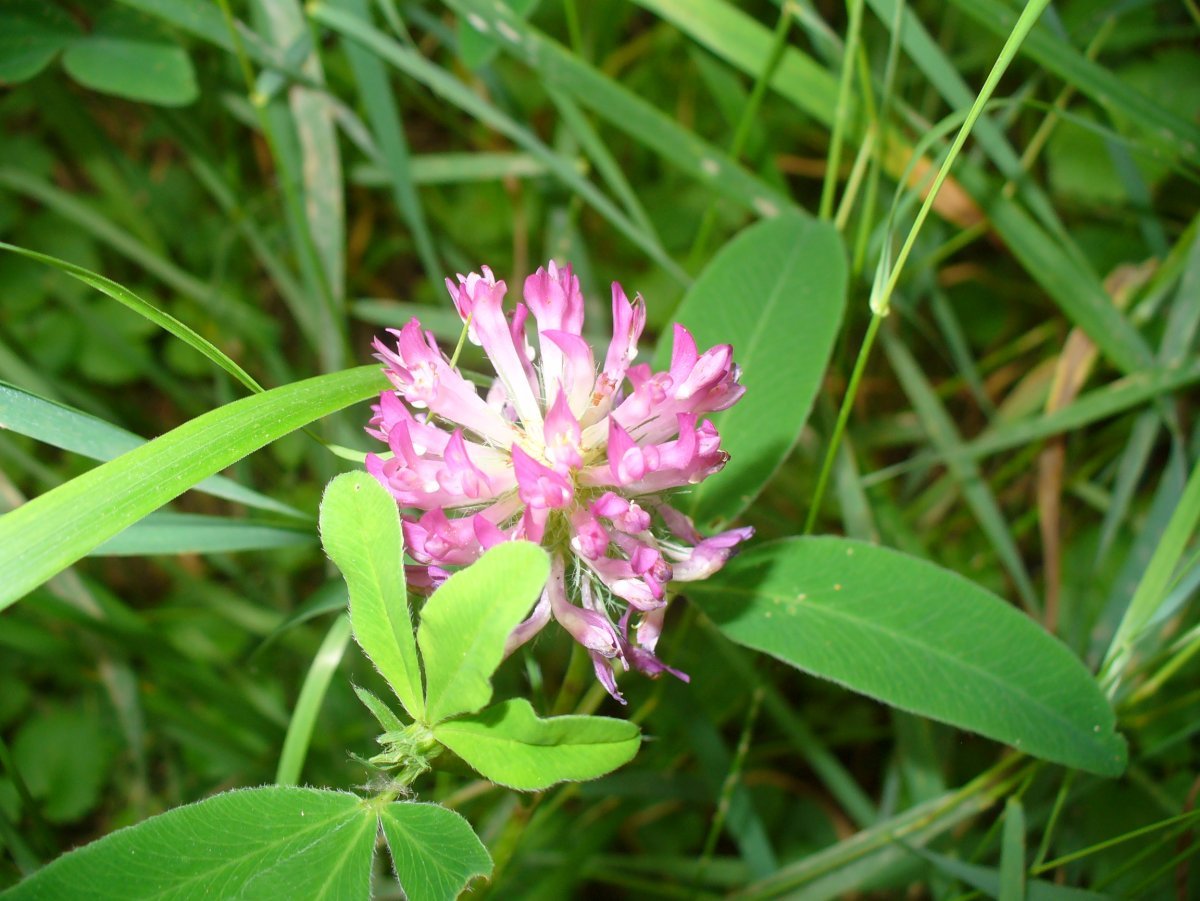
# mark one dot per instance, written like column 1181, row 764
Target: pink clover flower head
column 578, row 457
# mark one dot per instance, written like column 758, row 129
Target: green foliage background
column 285, row 180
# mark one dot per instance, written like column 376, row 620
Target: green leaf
column 388, row 721
column 478, row 48
column 123, row 295
column 987, row 880
column 130, row 55
column 446, row 86
column 31, row 34
column 360, row 529
column 194, row 533
column 741, row 40
column 308, row 704
column 777, row 293
column 256, row 843
column 395, row 158
column 434, row 850
column 50, row 532
column 1106, row 89
column 72, row 430
column 625, row 110
column 1012, row 853
column 466, row 622
column 65, row 783
column 508, row 744
column 918, row 637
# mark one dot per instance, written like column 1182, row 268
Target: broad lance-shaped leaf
column 917, row 637
column 466, row 622
column 508, row 744
column 49, row 533
column 271, row 842
column 777, row 293
column 434, row 850
column 360, row 528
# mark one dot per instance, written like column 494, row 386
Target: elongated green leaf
column 434, row 850
column 739, row 38
column 1012, row 853
column 853, row 862
column 360, row 528
column 466, row 622
column 81, row 433
column 1155, row 583
column 1090, row 78
column 193, row 533
column 317, row 164
column 943, row 434
column 777, row 293
column 163, row 320
column 509, row 744
column 919, row 638
column 623, row 109
column 384, row 116
column 270, row 842
column 50, row 532
column 454, row 91
column 454, row 168
column 308, row 704
column 31, row 35
column 987, row 880
column 129, row 54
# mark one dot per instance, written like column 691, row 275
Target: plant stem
column 860, row 365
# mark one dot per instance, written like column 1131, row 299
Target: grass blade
column 50, row 532
column 308, row 704
column 80, row 433
column 165, row 321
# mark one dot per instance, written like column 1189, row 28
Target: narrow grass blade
column 163, row 320
column 620, row 107
column 384, row 117
column 1012, row 853
column 80, row 433
column 1092, row 79
column 1153, row 588
column 607, row 165
column 50, row 532
column 741, row 40
column 455, row 168
column 193, row 533
column 944, row 436
column 454, row 91
column 847, row 865
column 308, row 705
column 234, row 314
